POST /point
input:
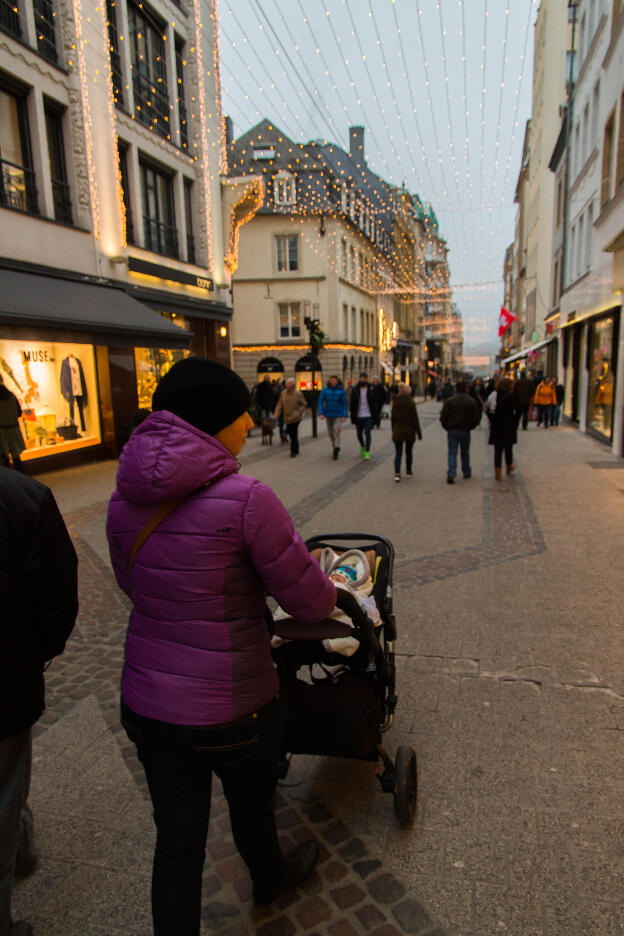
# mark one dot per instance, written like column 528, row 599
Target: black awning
column 181, row 304
column 83, row 305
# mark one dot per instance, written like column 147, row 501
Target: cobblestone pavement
column 511, row 690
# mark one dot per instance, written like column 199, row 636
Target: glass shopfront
column 151, row 365
column 56, row 387
column 600, row 364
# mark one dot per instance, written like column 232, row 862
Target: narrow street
column 511, row 690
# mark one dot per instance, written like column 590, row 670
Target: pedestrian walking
column 545, row 399
column 11, row 440
column 477, row 392
column 332, row 407
column 459, row 416
column 405, row 427
column 199, row 691
column 523, row 391
column 503, row 411
column 447, row 391
column 265, row 397
column 291, row 405
column 560, row 395
column 39, row 587
column 362, row 409
column 380, row 398
column 432, row 388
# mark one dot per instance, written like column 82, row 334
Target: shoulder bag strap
column 163, row 511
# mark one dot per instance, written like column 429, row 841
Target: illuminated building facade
column 331, row 241
column 113, row 249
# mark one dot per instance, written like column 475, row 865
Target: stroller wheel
column 406, row 786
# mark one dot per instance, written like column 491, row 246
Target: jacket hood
column 166, row 457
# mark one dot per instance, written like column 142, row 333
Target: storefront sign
column 135, row 265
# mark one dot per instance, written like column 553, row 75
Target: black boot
column 299, row 864
column 336, row 451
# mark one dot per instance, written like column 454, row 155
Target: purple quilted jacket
column 198, row 645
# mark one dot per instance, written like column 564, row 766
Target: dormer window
column 264, row 152
column 284, row 189
column 343, row 197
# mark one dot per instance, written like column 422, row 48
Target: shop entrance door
column 576, row 373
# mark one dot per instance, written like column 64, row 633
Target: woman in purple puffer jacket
column 199, row 689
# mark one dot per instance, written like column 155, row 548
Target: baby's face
column 339, row 577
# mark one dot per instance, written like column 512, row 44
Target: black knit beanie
column 204, row 393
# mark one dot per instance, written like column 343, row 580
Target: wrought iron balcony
column 62, row 202
column 160, row 238
column 10, row 17
column 17, row 187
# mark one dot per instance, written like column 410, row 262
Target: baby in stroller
column 353, row 572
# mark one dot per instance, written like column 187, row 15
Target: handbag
column 68, row 431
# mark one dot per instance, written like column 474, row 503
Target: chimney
column 356, row 144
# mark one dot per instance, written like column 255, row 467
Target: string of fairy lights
column 314, row 69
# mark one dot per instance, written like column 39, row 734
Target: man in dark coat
column 379, row 398
column 38, row 583
column 459, row 416
column 363, row 411
column 265, row 397
column 504, row 414
column 523, row 391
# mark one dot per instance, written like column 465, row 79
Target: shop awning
column 181, row 304
column 388, row 369
column 83, row 305
column 526, row 351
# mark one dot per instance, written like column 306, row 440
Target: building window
column 44, row 25
column 607, row 159
column 353, row 335
column 344, row 260
column 585, row 133
column 343, row 197
column 345, row 320
column 619, row 167
column 264, row 152
column 182, row 118
column 361, row 268
column 617, row 9
column 115, row 58
column 284, row 189
column 58, row 169
column 588, row 235
column 595, row 113
column 188, row 214
column 149, row 70
column 289, row 319
column 17, row 179
column 555, row 289
column 287, row 253
column 159, row 231
column 10, row 17
column 353, row 266
column 125, row 191
column 559, row 203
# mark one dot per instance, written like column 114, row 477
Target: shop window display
column 601, row 378
column 56, row 387
column 151, row 365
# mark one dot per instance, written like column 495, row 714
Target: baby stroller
column 343, row 705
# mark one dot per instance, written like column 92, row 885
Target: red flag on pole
column 505, row 319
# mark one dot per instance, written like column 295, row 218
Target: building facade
column 331, row 242
column 112, row 244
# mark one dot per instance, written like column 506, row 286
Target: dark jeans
column 363, row 426
column 293, row 431
column 498, row 455
column 543, row 414
column 555, row 413
column 459, row 438
column 398, row 452
column 524, row 411
column 15, row 760
column 178, row 763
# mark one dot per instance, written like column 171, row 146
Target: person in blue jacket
column 332, row 407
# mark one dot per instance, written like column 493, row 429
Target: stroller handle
column 312, row 541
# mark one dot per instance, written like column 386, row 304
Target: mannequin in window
column 74, row 387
